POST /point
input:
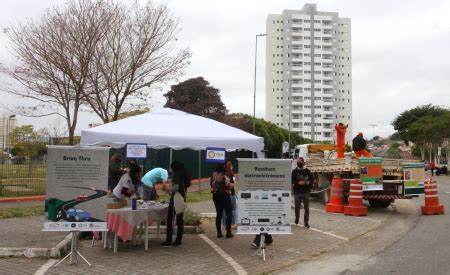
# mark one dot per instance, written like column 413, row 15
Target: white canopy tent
column 169, row 128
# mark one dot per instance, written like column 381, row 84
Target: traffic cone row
column 355, row 205
column 432, row 205
column 336, row 204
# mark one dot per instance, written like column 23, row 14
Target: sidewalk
column 205, row 253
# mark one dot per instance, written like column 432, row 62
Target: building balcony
column 297, row 76
column 300, row 50
column 297, row 59
column 298, row 85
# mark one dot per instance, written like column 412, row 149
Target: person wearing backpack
column 180, row 182
column 221, row 190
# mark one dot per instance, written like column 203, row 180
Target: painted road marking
column 364, row 218
column 237, row 267
column 323, row 232
column 45, row 267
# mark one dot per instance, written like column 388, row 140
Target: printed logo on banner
column 215, row 154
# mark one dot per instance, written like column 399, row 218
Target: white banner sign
column 264, row 197
column 77, row 179
column 215, row 154
column 136, row 151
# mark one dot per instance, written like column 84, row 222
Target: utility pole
column 373, row 126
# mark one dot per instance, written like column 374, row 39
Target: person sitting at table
column 128, row 183
column 151, row 179
column 180, row 182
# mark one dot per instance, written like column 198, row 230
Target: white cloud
column 399, row 50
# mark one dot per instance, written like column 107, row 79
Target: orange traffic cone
column 355, row 205
column 336, row 198
column 432, row 205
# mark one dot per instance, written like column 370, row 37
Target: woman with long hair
column 221, row 190
column 230, row 174
column 128, row 183
column 180, row 182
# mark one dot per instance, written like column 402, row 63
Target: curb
column 21, row 199
column 54, row 252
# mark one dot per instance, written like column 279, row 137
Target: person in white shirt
column 128, row 183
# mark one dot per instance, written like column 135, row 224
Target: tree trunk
column 422, row 152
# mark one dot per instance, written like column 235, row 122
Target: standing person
column 302, row 180
column 230, row 174
column 341, row 129
column 432, row 167
column 180, row 182
column 359, row 146
column 221, row 190
column 128, row 183
column 115, row 172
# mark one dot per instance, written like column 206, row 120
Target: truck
column 379, row 190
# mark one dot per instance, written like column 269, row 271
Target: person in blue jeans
column 233, row 197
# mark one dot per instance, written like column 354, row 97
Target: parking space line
column 45, row 267
column 364, row 218
column 323, row 232
column 237, row 267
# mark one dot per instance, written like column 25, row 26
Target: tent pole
column 199, row 169
column 170, row 158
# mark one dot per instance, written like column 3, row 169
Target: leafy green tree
column 394, row 150
column 273, row 135
column 429, row 132
column 395, row 136
column 196, row 96
column 404, row 120
column 27, row 142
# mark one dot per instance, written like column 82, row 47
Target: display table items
column 124, row 221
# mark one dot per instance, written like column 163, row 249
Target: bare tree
column 54, row 55
column 103, row 54
column 137, row 54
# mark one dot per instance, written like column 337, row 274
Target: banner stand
column 74, row 253
column 262, row 248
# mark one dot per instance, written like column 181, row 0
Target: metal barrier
column 26, row 178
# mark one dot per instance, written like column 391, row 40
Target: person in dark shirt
column 180, row 182
column 115, row 172
column 302, row 180
column 230, row 174
column 359, row 146
column 221, row 190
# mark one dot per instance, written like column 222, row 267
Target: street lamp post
column 254, row 80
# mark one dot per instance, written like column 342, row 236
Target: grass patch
column 195, row 196
column 21, row 212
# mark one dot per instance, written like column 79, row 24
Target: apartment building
column 309, row 72
column 7, row 123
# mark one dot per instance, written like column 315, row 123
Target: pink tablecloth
column 122, row 221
